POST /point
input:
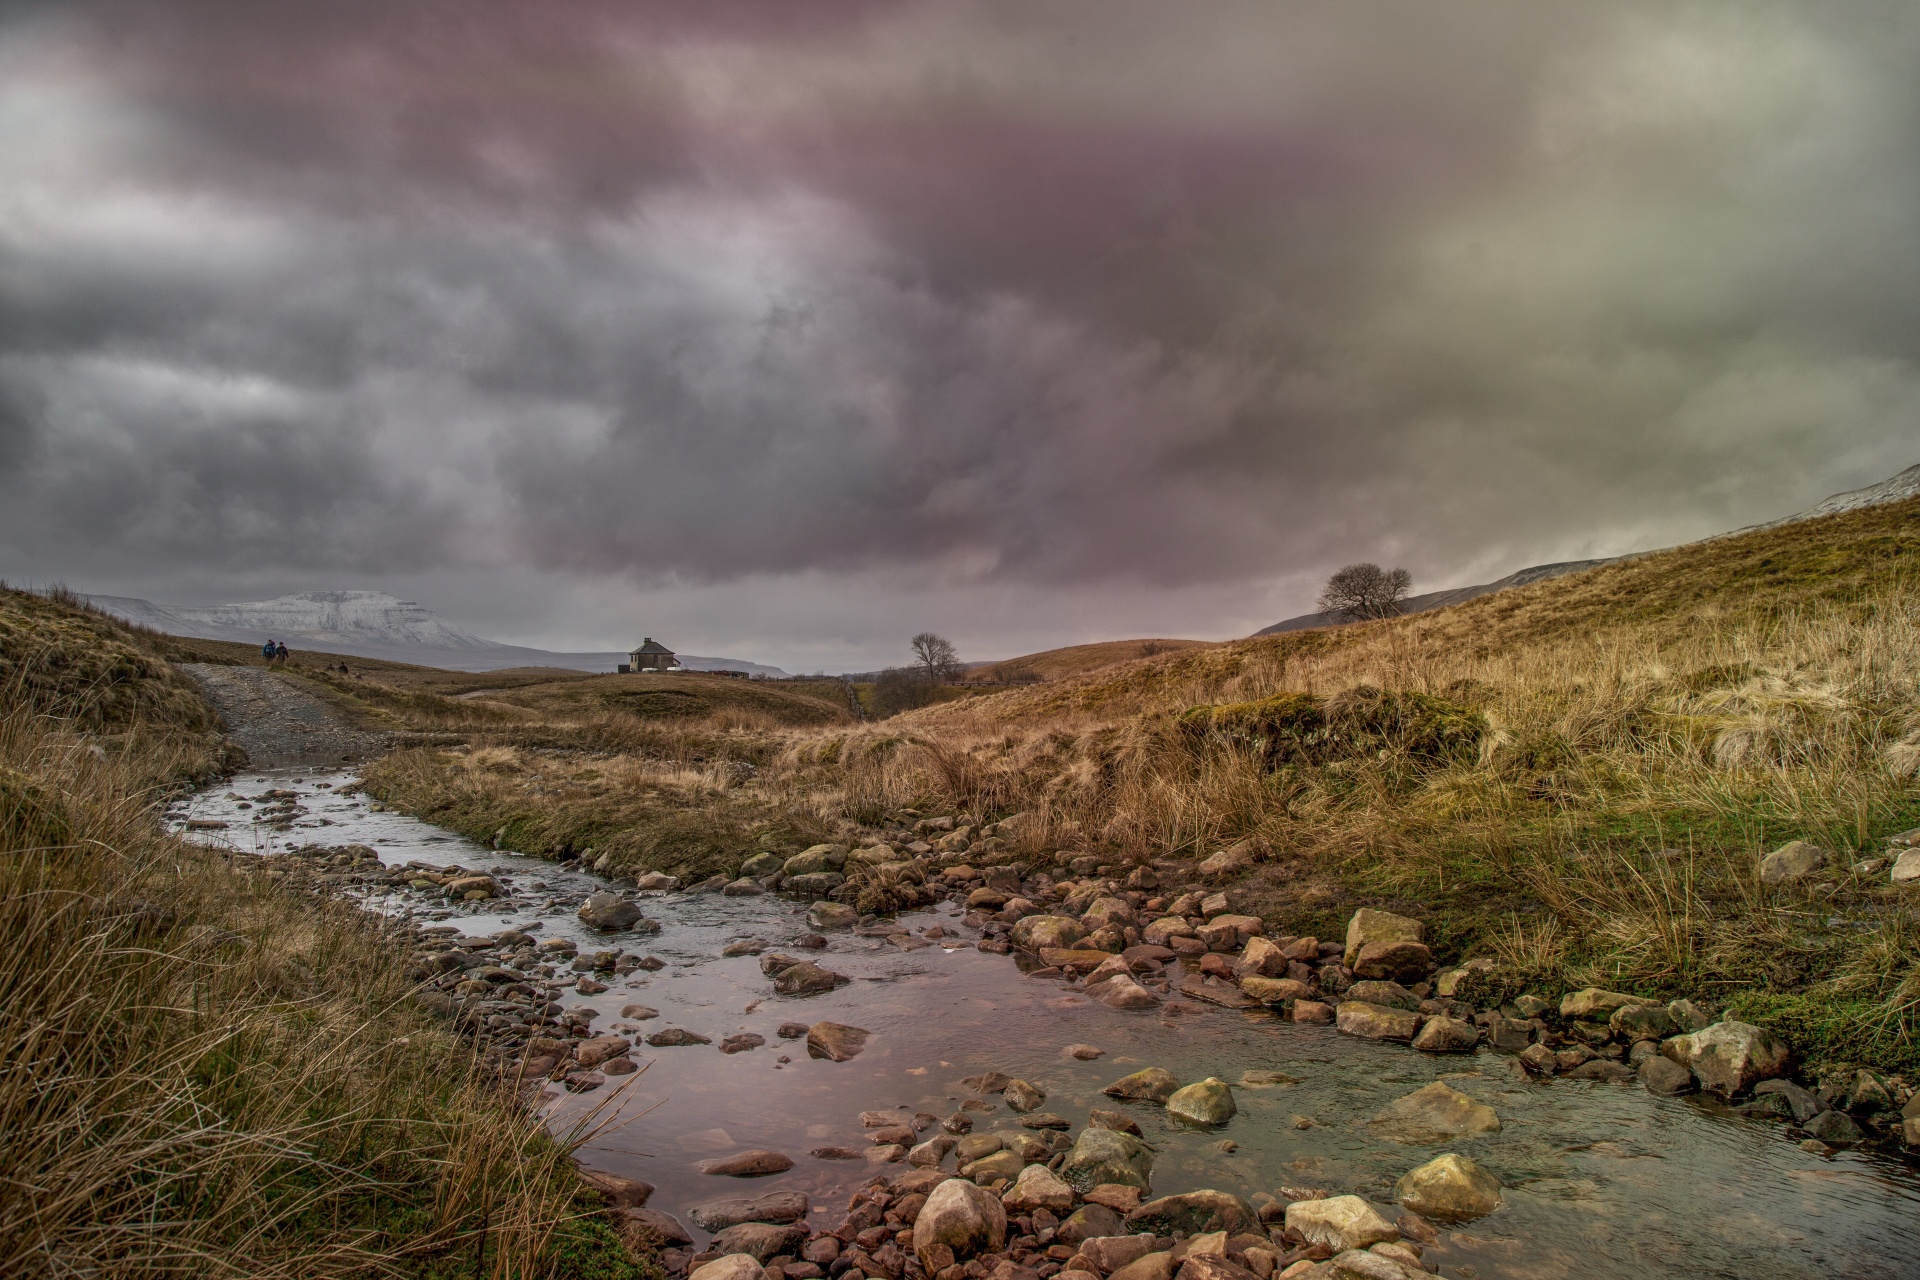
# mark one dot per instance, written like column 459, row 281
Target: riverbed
column 1602, row 1180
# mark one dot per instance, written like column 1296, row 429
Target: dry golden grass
column 1651, row 729
column 1074, row 660
column 203, row 1073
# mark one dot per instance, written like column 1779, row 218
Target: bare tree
column 936, row 657
column 1362, row 591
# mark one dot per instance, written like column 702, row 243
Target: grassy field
column 1636, row 738
column 1075, row 660
column 207, row 1075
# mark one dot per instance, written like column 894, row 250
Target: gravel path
column 276, row 722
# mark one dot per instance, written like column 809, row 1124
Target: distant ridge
column 1893, row 489
column 372, row 624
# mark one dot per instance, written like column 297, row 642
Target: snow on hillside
column 370, row 616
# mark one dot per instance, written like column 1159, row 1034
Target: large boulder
column 1205, row 1102
column 812, row 861
column 1595, row 1005
column 807, row 979
column 1384, row 992
column 1149, row 1084
column 1449, row 1187
column 1369, row 925
column 762, row 1240
column 734, row 1266
column 1447, row 1035
column 1038, row 1187
column 1401, row 960
column 1106, row 1156
column 958, row 1220
column 775, row 1206
column 1091, row 1223
column 1122, row 992
column 1034, row 932
column 1372, row 1022
column 761, row 865
column 1262, row 958
column 608, row 912
column 1664, row 1077
column 1274, row 990
column 835, row 1041
column 1793, row 861
column 1106, row 911
column 1436, row 1113
column 831, row 915
column 1194, row 1212
column 1340, row 1223
column 1729, row 1057
column 1151, row 1266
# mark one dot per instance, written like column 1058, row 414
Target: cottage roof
column 650, row 646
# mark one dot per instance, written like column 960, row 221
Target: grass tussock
column 204, row 1074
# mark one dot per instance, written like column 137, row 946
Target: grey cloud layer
column 999, row 294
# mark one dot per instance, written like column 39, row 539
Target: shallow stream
column 1603, row 1180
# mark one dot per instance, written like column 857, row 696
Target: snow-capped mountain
column 372, row 624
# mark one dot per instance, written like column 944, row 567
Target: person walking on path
column 266, row 653
column 280, row 654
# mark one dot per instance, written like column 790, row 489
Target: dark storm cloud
column 996, row 294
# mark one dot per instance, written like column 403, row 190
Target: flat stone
column 1106, row 1156
column 1596, row 1005
column 664, row 1226
column 1119, row 1121
column 1205, row 1102
column 835, row 1041
column 1001, row 1164
column 1313, row 1013
column 1664, row 1077
column 1084, row 1052
column 1340, row 1223
column 1037, row 933
column 775, row 1206
column 748, row 1164
column 761, row 1241
column 1447, row 1035
column 1045, row 1120
column 1151, row 1266
column 1194, row 1212
column 1374, row 1022
column 1149, row 1084
column 1225, row 995
column 1208, row 1266
column 1906, row 867
column 1274, row 990
column 674, row 1037
column 638, row 1012
column 621, row 1192
column 741, row 1042
column 1076, row 959
column 733, row 1266
column 1385, row 993
column 1602, row 1069
column 1122, row 1199
column 1434, row 1113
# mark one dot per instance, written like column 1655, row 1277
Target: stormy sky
column 785, row 330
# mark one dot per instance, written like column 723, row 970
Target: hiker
column 280, row 654
column 266, row 652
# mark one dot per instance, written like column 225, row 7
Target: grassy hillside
column 1058, row 664
column 1577, row 777
column 209, row 1074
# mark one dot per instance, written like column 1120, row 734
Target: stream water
column 1603, row 1180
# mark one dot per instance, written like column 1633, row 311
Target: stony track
column 276, row 722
